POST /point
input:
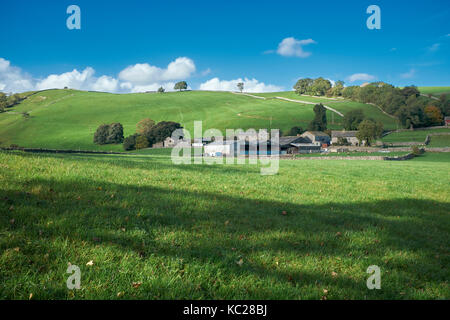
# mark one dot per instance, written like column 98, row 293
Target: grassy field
column 369, row 112
column 67, row 119
column 354, row 154
column 412, row 136
column 141, row 227
column 440, row 141
column 435, row 91
column 295, row 96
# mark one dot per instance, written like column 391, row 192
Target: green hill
column 435, row 91
column 68, row 118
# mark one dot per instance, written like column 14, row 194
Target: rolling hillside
column 435, row 91
column 67, row 119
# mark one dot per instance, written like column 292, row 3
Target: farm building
column 238, row 147
column 350, row 136
column 300, row 144
column 170, row 142
column 447, row 121
column 307, row 147
column 286, row 143
column 317, row 137
column 222, row 148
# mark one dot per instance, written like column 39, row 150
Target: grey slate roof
column 318, row 133
column 291, row 139
column 343, row 134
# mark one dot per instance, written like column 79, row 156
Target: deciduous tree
column 182, row 85
column 433, row 116
column 368, row 131
column 353, row 118
column 320, row 119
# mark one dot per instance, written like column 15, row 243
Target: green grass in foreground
column 218, row 232
column 412, row 136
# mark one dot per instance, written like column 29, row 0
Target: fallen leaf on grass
column 30, row 297
column 240, row 262
column 90, row 263
column 334, row 274
column 136, row 284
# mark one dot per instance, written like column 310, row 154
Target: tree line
column 148, row 132
column 407, row 104
column 368, row 129
column 8, row 101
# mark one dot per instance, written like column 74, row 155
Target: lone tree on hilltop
column 240, row 86
column 182, row 85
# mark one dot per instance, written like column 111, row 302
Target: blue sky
column 227, row 40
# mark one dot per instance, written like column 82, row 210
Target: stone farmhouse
column 350, row 136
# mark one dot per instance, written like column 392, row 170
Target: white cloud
column 408, row 75
column 74, row 79
column 360, row 77
column 4, row 65
column 140, row 73
column 291, row 47
column 179, row 69
column 168, row 86
column 135, row 78
column 13, row 79
column 434, row 47
column 145, row 74
column 106, row 84
column 206, row 72
column 253, row 85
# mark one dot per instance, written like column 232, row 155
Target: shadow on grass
column 219, row 230
column 145, row 162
